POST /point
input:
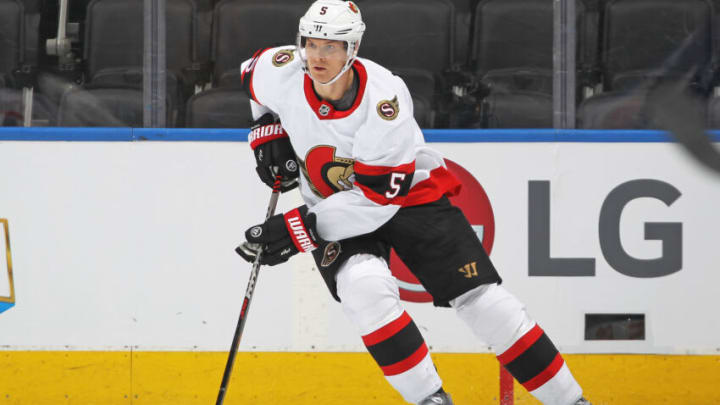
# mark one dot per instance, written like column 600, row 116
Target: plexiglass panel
column 467, row 63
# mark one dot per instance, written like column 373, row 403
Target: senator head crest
column 282, row 57
column 388, row 109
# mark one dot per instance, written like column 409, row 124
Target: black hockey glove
column 273, row 153
column 281, row 237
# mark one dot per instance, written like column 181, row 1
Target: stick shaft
column 246, row 305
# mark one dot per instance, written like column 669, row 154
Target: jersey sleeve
column 384, row 155
column 262, row 77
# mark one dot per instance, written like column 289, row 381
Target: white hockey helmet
column 334, row 20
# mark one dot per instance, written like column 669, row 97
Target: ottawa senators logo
column 331, row 253
column 353, row 7
column 326, row 173
column 282, row 57
column 388, row 109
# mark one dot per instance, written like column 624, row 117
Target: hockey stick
column 246, row 302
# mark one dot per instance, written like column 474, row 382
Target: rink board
column 190, row 378
column 124, row 270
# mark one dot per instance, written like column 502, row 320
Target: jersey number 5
column 396, row 180
column 323, row 10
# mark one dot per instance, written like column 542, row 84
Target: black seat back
column 219, row 108
column 667, row 37
column 103, row 107
column 416, row 34
column 511, row 34
column 11, row 39
column 114, row 36
column 241, row 27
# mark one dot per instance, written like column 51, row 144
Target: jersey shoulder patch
column 282, row 57
column 388, row 109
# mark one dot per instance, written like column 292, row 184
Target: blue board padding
column 96, row 134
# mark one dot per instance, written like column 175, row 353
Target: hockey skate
column 439, row 398
column 582, row 401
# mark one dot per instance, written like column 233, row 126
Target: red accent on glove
column 298, row 232
column 266, row 133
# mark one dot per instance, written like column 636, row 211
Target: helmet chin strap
column 334, row 79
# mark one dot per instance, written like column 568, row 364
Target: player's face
column 325, row 58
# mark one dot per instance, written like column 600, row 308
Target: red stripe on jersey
column 521, row 345
column 250, row 69
column 545, row 376
column 368, row 170
column 405, row 365
column 441, row 182
column 330, row 113
column 387, row 331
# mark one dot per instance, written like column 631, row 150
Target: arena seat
column 241, row 27
column 636, row 57
column 422, row 87
column 423, row 40
column 420, row 82
column 512, row 34
column 512, row 57
column 678, row 40
column 12, row 109
column 614, row 110
column 113, row 40
column 517, row 109
column 114, row 48
column 11, row 39
column 105, row 107
column 667, row 105
column 219, row 108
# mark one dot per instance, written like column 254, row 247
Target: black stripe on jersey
column 397, row 347
column 534, row 360
column 247, row 74
column 385, row 185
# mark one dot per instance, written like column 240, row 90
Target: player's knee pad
column 368, row 292
column 522, row 347
column 370, row 298
column 494, row 315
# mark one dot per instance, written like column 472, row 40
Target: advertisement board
column 118, row 245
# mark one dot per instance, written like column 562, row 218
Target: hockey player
column 343, row 128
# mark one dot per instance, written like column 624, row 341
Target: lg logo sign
column 669, row 233
column 477, row 208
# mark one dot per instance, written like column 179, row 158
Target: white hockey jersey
column 360, row 165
